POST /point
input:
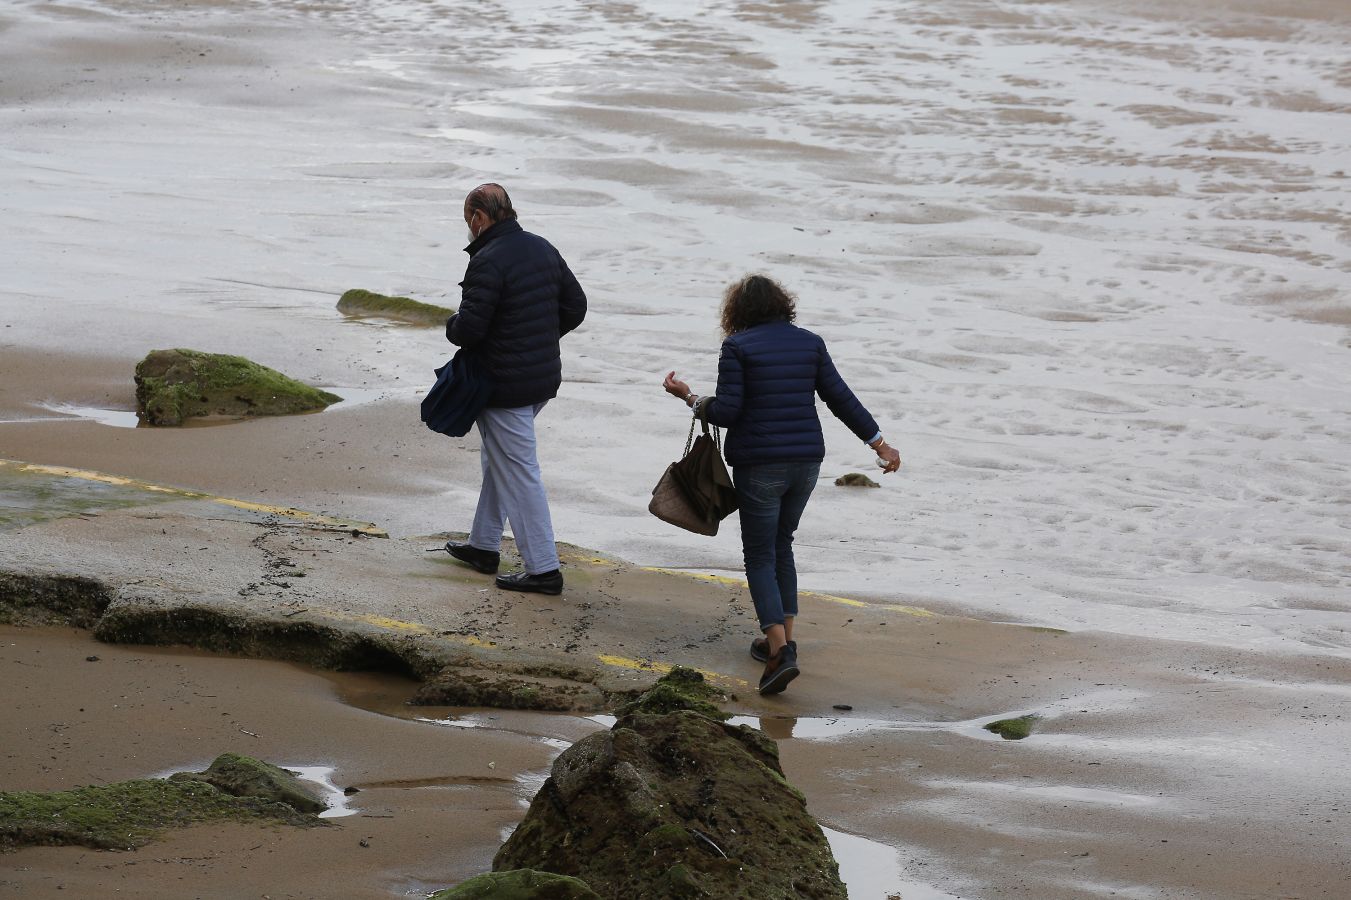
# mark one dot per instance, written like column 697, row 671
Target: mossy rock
column 174, row 385
column 855, row 479
column 519, row 884
column 128, row 814
column 457, row 686
column 244, row 776
column 1013, row 729
column 681, row 688
column 673, row 802
column 358, row 302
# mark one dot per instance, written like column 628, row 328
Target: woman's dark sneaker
column 779, row 670
column 760, row 649
column 485, row 561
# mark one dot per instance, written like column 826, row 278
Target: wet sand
column 1086, row 262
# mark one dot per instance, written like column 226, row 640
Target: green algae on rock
column 173, row 385
column 462, row 686
column 518, row 884
column 679, row 689
column 1013, row 729
column 129, row 814
column 244, row 776
column 358, row 302
column 672, row 802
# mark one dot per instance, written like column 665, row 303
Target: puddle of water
column 121, row 418
column 118, row 418
column 874, row 871
column 322, row 776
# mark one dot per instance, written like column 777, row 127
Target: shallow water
column 1086, row 262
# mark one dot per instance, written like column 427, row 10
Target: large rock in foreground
column 173, row 385
column 674, row 802
column 358, row 302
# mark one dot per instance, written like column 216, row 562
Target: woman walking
column 769, row 375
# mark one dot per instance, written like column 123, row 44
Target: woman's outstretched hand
column 675, row 387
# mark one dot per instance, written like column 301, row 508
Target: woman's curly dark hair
column 755, row 300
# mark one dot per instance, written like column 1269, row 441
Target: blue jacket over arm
column 768, row 379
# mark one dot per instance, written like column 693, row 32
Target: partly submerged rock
column 673, row 802
column 518, row 884
column 855, row 479
column 358, row 302
column 129, row 814
column 173, row 385
column 1013, row 729
column 244, row 776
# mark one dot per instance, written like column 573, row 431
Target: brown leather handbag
column 695, row 492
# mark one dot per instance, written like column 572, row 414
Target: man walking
column 519, row 298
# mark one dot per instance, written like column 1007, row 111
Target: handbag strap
column 700, row 417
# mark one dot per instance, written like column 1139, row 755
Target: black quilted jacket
column 518, row 298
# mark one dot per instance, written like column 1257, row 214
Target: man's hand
column 891, row 455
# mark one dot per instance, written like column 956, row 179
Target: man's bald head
column 492, row 201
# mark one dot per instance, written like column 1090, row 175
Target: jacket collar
column 506, row 226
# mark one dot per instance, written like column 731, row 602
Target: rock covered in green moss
column 457, row 686
column 1013, row 729
column 673, row 802
column 358, row 302
column 519, row 884
column 855, row 479
column 244, row 776
column 681, row 688
column 129, row 814
column 174, row 385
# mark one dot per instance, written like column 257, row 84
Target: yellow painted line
column 289, row 512
column 623, row 662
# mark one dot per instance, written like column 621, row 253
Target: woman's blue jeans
column 772, row 497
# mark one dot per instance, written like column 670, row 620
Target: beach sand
column 1085, row 262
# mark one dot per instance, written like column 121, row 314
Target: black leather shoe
column 781, row 669
column 760, row 649
column 543, row 583
column 485, row 561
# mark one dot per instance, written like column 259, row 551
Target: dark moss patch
column 519, row 884
column 855, row 479
column 51, row 599
column 312, row 643
column 128, row 814
column 358, row 302
column 456, row 686
column 174, row 385
column 680, row 689
column 1013, row 729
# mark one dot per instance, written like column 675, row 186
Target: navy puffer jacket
column 518, row 298
column 768, row 379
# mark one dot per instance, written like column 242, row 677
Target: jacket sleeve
column 571, row 301
column 479, row 294
column 724, row 408
column 841, row 401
